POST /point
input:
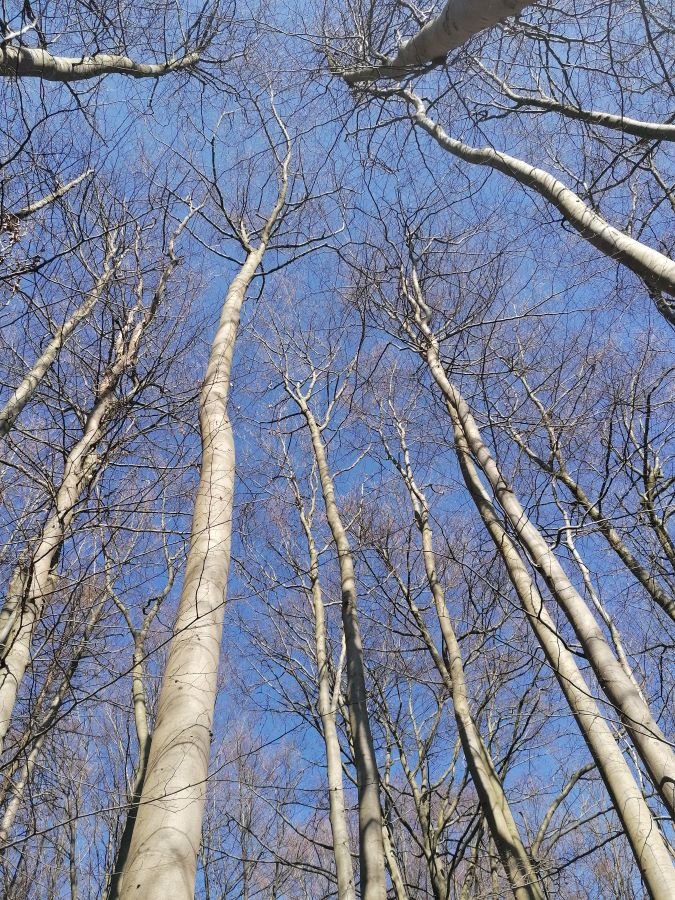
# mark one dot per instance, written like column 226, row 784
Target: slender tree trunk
column 652, row 746
column 501, row 822
column 162, row 859
column 17, row 787
column 81, row 467
column 371, row 849
column 143, row 737
column 651, row 854
column 29, row 384
column 611, row 535
column 327, row 711
column 649, row 849
column 392, row 865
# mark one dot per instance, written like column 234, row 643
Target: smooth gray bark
column 645, row 734
column 327, row 711
column 649, row 849
column 653, row 131
column 561, row 473
column 458, row 21
column 162, row 859
column 29, row 62
column 31, row 381
column 501, row 822
column 81, row 468
column 656, row 269
column 18, row 785
column 371, row 845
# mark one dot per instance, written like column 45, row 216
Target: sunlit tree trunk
column 458, row 21
column 31, row 381
column 646, row 841
column 646, row 735
column 655, row 268
column 81, row 468
column 162, row 859
column 371, row 849
column 18, row 785
column 327, row 711
column 501, row 822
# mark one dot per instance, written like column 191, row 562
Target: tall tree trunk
column 649, row 849
column 162, row 860
column 81, row 467
column 17, row 787
column 327, row 711
column 501, row 822
column 621, row 691
column 371, row 848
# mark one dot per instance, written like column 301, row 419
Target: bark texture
column 649, row 848
column 81, row 468
column 647, row 737
column 29, row 62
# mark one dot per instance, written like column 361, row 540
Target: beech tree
column 417, row 264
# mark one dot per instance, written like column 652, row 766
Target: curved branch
column 656, row 269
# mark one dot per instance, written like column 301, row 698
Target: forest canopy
column 336, row 450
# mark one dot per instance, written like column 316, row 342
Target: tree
column 417, row 263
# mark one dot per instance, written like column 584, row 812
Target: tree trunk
column 371, row 849
column 162, row 856
column 29, row 384
column 646, row 735
column 336, row 800
column 501, row 822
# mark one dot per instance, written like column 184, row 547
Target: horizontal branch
column 658, row 131
column 29, row 62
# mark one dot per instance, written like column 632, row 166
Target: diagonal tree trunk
column 458, row 21
column 646, row 842
column 502, row 825
column 656, row 269
column 18, row 785
column 31, row 381
column 81, row 468
column 653, row 748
